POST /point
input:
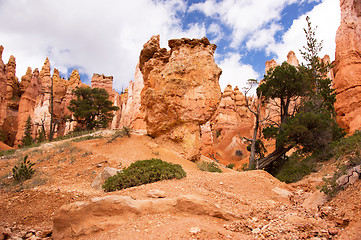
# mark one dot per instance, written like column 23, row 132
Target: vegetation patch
column 209, row 167
column 24, row 171
column 7, row 152
column 347, row 152
column 125, row 131
column 295, row 168
column 231, row 165
column 143, row 172
column 85, row 138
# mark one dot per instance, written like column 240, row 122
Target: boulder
column 101, row 213
column 156, row 194
column 104, row 175
column 181, row 90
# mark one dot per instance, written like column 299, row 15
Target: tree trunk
column 264, row 162
column 253, row 145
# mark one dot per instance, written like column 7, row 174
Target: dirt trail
column 266, row 208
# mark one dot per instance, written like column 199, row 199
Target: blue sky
column 107, row 36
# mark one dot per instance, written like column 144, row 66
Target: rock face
column 27, row 104
column 83, row 218
column 347, row 68
column 74, row 82
column 102, row 81
column 3, row 92
column 131, row 114
column 222, row 135
column 181, row 90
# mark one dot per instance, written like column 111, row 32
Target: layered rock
column 43, row 100
column 3, row 92
column 25, row 80
column 132, row 116
column 27, row 104
column 72, row 84
column 12, row 80
column 347, row 68
column 102, row 81
column 181, row 90
column 231, row 122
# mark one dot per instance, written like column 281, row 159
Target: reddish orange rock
column 347, row 68
column 181, row 90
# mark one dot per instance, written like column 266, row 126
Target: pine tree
column 27, row 139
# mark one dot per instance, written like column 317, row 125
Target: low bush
column 24, row 171
column 209, row 167
column 231, row 165
column 125, row 131
column 85, row 138
column 346, row 150
column 142, row 172
column 295, row 168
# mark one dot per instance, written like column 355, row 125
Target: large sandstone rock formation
column 347, row 68
column 181, row 90
column 103, row 213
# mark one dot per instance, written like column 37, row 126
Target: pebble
column 194, row 230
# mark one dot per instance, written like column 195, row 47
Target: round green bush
column 142, row 172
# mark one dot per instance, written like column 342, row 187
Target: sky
column 106, row 37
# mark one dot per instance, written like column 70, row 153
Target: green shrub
column 209, row 167
column 231, row 165
column 142, row 172
column 7, row 152
column 295, row 168
column 125, row 131
column 24, row 171
column 85, row 138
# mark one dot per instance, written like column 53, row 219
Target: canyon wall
column 347, row 68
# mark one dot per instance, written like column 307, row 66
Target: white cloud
column 263, row 37
column 326, row 16
column 216, row 32
column 244, row 17
column 235, row 72
column 98, row 36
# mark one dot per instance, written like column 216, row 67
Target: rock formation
column 231, row 122
column 181, row 90
column 84, row 218
column 132, row 116
column 74, row 82
column 25, row 80
column 27, row 104
column 3, row 92
column 102, row 81
column 347, row 68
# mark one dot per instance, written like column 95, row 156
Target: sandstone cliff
column 181, row 90
column 3, row 92
column 347, row 68
column 27, row 104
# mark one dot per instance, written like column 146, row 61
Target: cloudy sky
column 107, row 36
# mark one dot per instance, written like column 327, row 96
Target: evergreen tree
column 91, row 108
column 27, row 139
column 305, row 100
